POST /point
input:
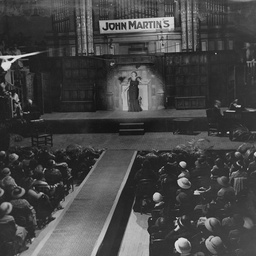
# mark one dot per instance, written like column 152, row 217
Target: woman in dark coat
column 133, row 93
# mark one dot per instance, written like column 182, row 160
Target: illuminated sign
column 136, row 25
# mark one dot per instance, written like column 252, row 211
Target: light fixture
column 7, row 63
column 162, row 40
column 111, row 43
column 112, row 63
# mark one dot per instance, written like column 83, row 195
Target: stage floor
column 166, row 113
column 109, row 121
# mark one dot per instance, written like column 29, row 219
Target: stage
column 108, row 121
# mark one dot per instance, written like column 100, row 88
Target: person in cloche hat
column 2, row 195
column 9, row 229
column 183, row 246
column 227, row 192
column 182, row 168
column 215, row 245
column 2, row 159
column 7, row 182
column 184, row 186
column 21, row 207
column 183, row 228
column 12, row 158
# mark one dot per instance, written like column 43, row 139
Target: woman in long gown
column 133, row 93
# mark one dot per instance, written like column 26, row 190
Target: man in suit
column 218, row 116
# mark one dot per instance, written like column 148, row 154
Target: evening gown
column 133, row 97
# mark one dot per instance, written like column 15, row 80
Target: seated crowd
column 33, row 183
column 201, row 202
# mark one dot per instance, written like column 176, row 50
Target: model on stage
column 133, row 93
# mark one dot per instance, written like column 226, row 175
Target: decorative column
column 196, row 34
column 83, row 27
column 78, row 27
column 89, row 26
column 184, row 39
column 189, row 25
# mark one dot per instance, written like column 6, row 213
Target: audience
column 214, row 210
column 201, row 202
column 32, row 187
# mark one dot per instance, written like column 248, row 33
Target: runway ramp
column 84, row 223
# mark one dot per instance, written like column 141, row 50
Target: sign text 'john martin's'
column 136, row 25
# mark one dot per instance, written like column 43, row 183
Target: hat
column 160, row 222
column 183, row 164
column 199, row 254
column 1, row 192
column 18, row 192
column 25, row 163
column 219, row 162
column 234, row 235
column 215, row 171
column 200, row 162
column 248, row 223
column 239, row 163
column 13, row 157
column 5, row 208
column 214, row 244
column 184, row 183
column 217, row 102
column 50, row 163
column 157, row 197
column 6, row 171
column 182, row 198
column 182, row 245
column 223, row 181
column 184, row 221
column 170, row 167
column 2, row 154
column 238, row 155
column 238, row 220
column 33, row 163
column 146, row 164
column 28, row 154
column 212, row 224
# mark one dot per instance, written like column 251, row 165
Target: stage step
column 131, row 129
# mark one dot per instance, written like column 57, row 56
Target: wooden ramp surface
column 136, row 237
column 81, row 228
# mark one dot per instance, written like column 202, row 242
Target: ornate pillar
column 89, row 26
column 189, row 25
column 196, row 25
column 84, row 27
column 78, row 27
column 184, row 39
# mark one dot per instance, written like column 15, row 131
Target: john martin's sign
column 136, row 25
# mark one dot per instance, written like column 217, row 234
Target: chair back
column 210, row 116
column 38, row 126
column 146, row 187
column 42, row 188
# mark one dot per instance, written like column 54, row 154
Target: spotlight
column 112, row 63
column 6, row 65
